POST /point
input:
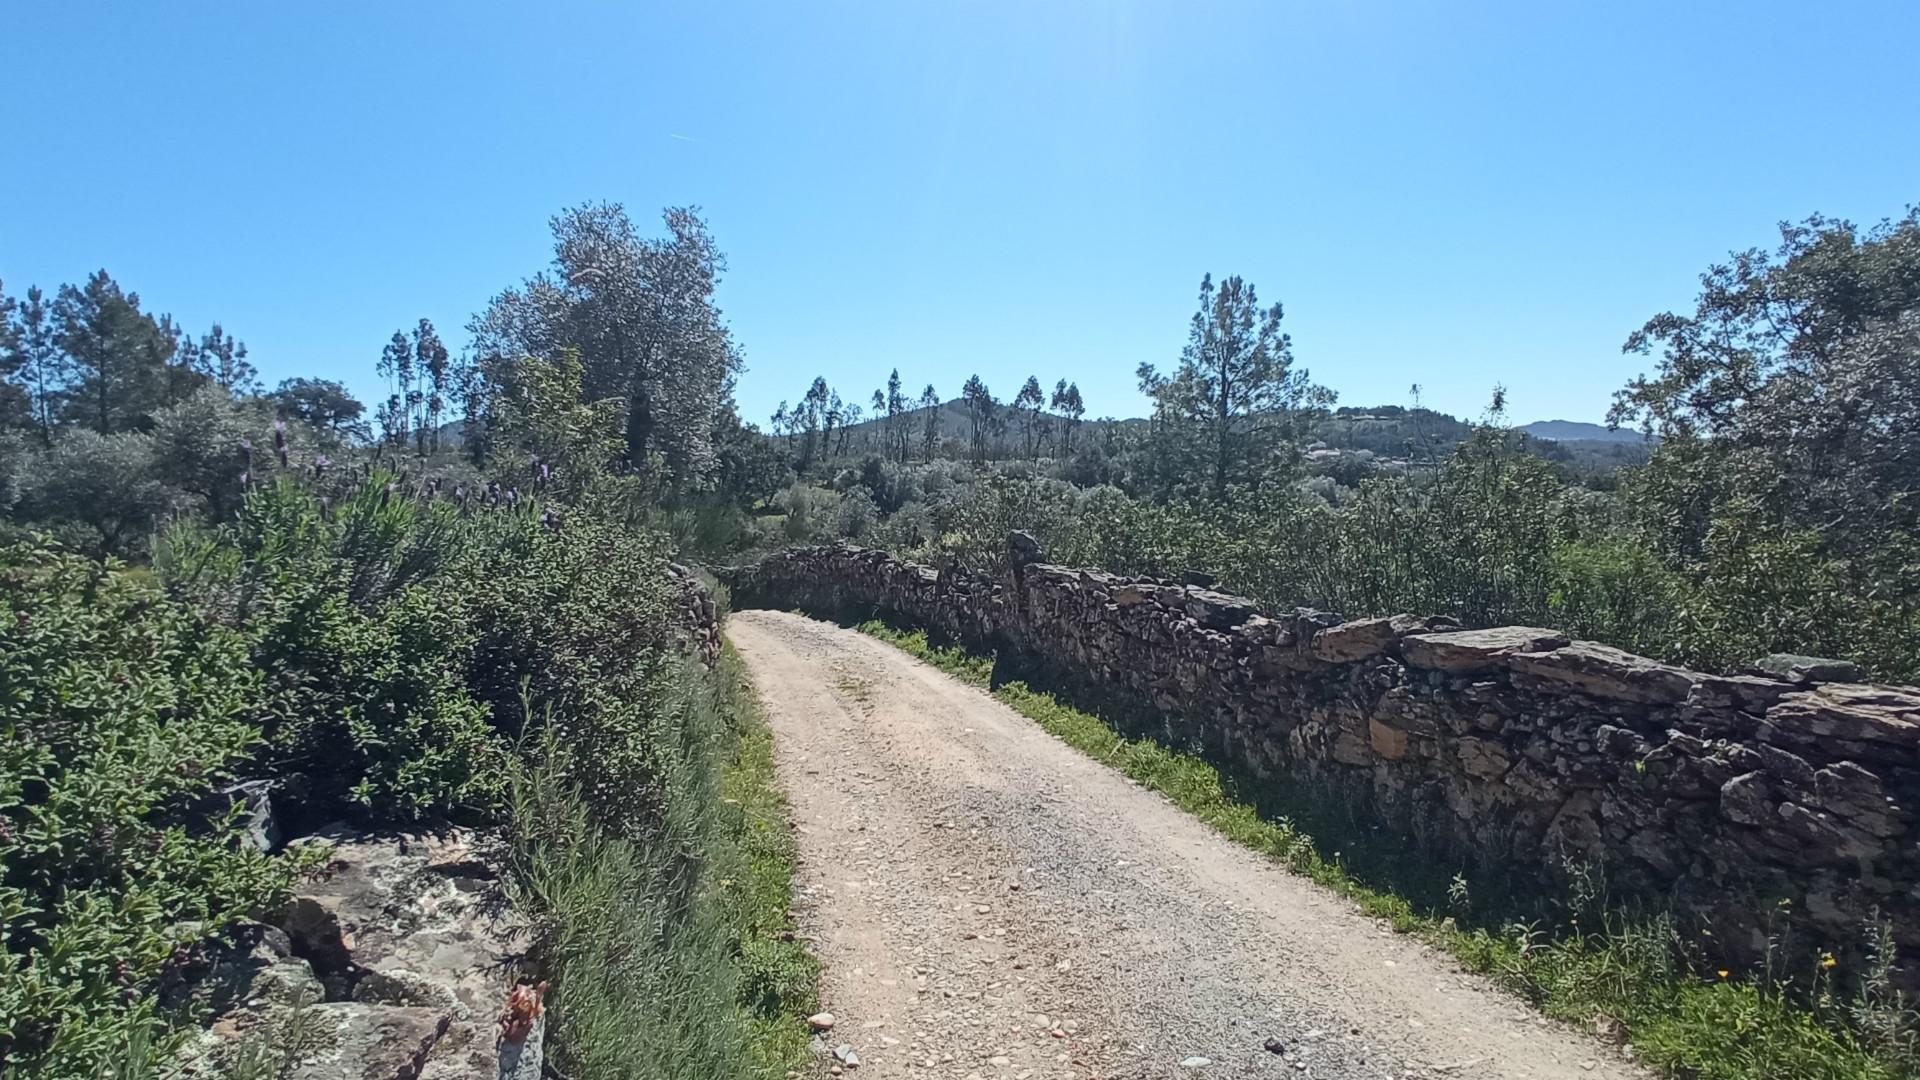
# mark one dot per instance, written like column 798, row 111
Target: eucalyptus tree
column 1066, row 401
column 1028, row 403
column 396, row 413
column 981, row 413
column 929, row 422
column 897, row 409
column 434, row 365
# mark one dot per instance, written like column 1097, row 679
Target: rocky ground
column 988, row 902
column 392, row 963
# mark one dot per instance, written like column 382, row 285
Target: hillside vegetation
column 212, row 592
column 1769, row 509
column 206, row 582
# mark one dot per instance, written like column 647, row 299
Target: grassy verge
column 779, row 977
column 1609, row 971
column 669, row 953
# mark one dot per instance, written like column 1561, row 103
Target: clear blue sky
column 1457, row 194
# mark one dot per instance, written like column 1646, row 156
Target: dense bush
column 124, row 709
column 355, row 619
column 410, row 658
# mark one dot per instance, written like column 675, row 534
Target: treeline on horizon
column 1770, row 510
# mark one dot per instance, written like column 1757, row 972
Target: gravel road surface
column 987, row 901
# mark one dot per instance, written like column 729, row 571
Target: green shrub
column 577, row 618
column 356, row 618
column 121, row 709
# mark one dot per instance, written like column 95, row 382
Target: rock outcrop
column 1723, row 797
column 391, row 963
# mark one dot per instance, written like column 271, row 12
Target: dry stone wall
column 1723, row 795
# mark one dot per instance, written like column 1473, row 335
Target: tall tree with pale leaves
column 981, row 414
column 396, row 364
column 1028, row 403
column 435, row 368
column 641, row 314
column 929, row 422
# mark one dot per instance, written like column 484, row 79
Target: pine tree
column 117, row 355
column 1222, row 415
column 38, row 363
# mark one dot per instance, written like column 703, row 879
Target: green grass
column 1701, row 1025
column 669, row 952
column 779, row 977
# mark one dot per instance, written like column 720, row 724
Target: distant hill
column 1391, row 431
column 1579, row 431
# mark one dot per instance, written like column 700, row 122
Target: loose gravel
column 988, row 902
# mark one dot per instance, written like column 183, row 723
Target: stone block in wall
column 1482, row 758
column 1807, row 669
column 1747, row 693
column 1362, row 638
column 1217, row 610
column 1844, row 719
column 1472, row 651
column 1857, row 795
column 1388, row 741
column 1605, row 672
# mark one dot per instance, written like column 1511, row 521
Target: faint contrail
column 682, row 138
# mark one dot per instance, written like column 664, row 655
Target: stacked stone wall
column 1744, row 802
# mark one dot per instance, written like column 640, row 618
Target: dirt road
column 987, row 901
